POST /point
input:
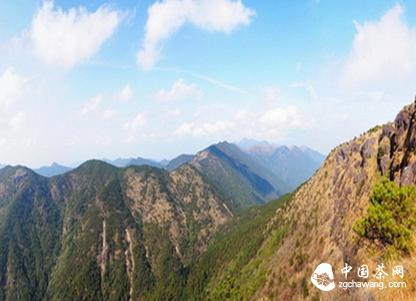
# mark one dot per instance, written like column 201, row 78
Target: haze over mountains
column 100, row 232
column 284, row 167
column 250, row 177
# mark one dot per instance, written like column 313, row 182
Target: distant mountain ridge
column 125, row 162
column 313, row 154
column 249, row 143
column 53, row 170
column 293, row 165
column 178, row 161
column 235, row 172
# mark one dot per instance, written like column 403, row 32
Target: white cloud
column 125, row 94
column 382, row 51
column 16, row 121
column 241, row 115
column 184, row 129
column 209, row 129
column 137, row 123
column 11, row 87
column 92, row 104
column 67, row 38
column 167, row 17
column 283, row 118
column 180, row 90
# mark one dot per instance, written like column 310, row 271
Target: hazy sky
column 157, row 79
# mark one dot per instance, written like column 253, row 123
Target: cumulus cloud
column 382, row 50
column 241, row 115
column 137, row 123
column 180, row 90
column 207, row 129
column 167, row 17
column 11, row 87
column 125, row 94
column 67, row 38
column 283, row 118
column 184, row 129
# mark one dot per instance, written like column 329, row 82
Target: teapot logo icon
column 323, row 278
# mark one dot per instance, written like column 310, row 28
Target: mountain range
column 357, row 210
column 292, row 165
column 53, row 170
column 285, row 168
column 103, row 233
column 217, row 226
column 236, row 173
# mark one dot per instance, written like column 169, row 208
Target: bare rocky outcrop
column 322, row 213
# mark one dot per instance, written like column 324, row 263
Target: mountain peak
column 249, row 143
column 264, row 149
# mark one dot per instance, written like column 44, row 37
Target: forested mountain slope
column 103, row 233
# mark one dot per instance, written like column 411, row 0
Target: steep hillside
column 323, row 223
column 236, row 173
column 103, row 233
column 293, row 165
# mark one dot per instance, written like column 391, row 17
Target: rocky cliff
column 317, row 226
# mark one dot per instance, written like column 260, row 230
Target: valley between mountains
column 225, row 224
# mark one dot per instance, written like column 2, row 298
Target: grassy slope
column 224, row 263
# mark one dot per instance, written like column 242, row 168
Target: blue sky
column 157, row 79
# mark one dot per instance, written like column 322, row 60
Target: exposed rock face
column 397, row 147
column 318, row 221
column 337, row 195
